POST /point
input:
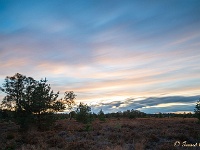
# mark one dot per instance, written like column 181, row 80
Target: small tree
column 197, row 109
column 43, row 103
column 160, row 115
column 69, row 100
column 83, row 113
column 101, row 115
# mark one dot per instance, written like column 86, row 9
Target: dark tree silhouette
column 25, row 95
column 101, row 115
column 83, row 113
column 69, row 101
column 18, row 89
column 197, row 109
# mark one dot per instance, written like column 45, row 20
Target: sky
column 115, row 55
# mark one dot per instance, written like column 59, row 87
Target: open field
column 114, row 134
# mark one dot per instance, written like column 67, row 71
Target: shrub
column 83, row 113
column 10, row 136
column 101, row 115
column 131, row 116
column 88, row 127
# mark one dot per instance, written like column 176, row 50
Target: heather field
column 99, row 74
column 112, row 134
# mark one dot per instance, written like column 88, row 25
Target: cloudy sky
column 115, row 55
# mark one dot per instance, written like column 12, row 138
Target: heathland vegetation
column 31, row 117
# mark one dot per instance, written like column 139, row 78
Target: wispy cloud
column 136, row 49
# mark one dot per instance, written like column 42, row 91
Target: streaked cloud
column 136, row 49
column 165, row 104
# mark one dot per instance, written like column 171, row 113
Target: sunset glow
column 114, row 55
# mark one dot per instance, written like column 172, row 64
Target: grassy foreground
column 113, row 134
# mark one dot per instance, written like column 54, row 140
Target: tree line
column 30, row 102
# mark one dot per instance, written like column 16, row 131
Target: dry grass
column 114, row 134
